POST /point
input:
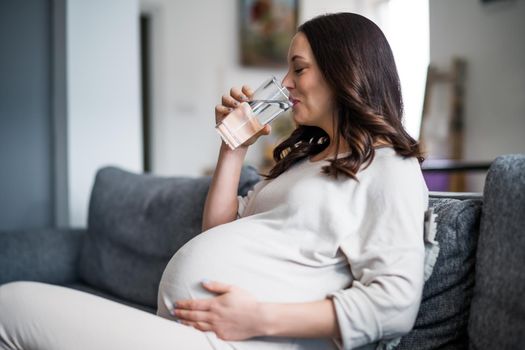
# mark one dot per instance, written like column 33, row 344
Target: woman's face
column 312, row 98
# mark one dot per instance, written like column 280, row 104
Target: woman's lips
column 294, row 101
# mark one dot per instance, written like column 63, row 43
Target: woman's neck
column 331, row 149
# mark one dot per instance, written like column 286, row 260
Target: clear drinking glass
column 267, row 102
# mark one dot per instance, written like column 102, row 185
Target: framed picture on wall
column 266, row 28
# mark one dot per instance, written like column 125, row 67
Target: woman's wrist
column 267, row 318
column 226, row 151
column 315, row 319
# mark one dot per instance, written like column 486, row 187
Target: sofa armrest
column 44, row 255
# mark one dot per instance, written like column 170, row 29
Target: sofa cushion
column 47, row 255
column 443, row 316
column 136, row 223
column 497, row 318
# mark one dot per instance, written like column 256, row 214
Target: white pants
column 47, row 317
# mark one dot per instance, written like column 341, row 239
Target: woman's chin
column 301, row 122
column 297, row 118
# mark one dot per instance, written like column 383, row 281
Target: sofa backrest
column 136, row 223
column 497, row 316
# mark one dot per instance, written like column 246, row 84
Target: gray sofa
column 474, row 299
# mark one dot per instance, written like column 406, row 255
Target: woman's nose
column 287, row 82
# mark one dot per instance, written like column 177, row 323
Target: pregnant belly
column 268, row 263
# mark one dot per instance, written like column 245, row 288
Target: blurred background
column 134, row 83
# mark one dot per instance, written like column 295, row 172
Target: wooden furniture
column 451, row 146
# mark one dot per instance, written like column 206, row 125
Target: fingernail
column 244, row 98
column 205, row 281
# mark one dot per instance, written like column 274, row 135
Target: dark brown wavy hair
column 358, row 65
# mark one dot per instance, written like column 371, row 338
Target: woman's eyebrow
column 294, row 57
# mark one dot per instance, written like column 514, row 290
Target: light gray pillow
column 443, row 316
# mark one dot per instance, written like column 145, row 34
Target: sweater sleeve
column 244, row 201
column 386, row 258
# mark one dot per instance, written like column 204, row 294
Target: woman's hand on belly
column 234, row 314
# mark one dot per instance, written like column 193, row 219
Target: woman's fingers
column 193, row 304
column 229, row 101
column 238, row 94
column 217, row 287
column 202, row 326
column 192, row 316
column 232, row 101
column 221, row 110
column 266, row 130
column 247, row 91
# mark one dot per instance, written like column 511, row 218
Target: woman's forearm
column 303, row 320
column 221, row 202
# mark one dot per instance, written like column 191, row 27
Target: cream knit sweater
column 305, row 236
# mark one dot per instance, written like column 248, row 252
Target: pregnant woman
column 327, row 252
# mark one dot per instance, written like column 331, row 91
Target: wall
column 26, row 144
column 490, row 38
column 104, row 123
column 195, row 61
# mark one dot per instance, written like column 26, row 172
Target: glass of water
column 267, row 102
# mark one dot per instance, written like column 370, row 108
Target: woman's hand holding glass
column 232, row 101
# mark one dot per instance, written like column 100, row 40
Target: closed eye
column 298, row 71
